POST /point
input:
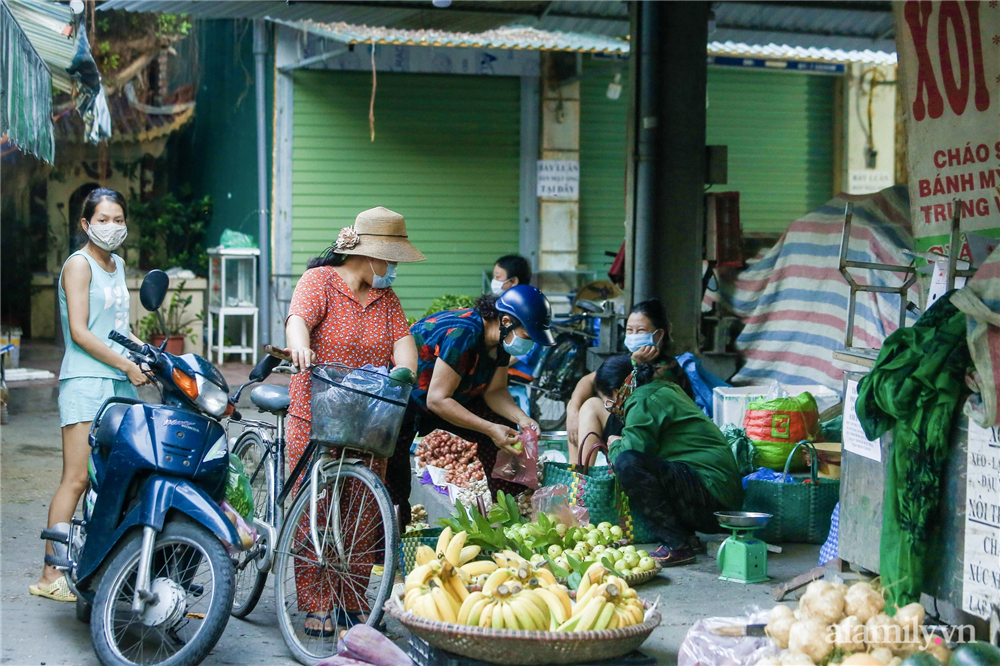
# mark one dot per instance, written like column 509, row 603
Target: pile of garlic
column 851, row 619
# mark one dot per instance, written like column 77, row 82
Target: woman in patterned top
column 343, row 310
column 462, row 381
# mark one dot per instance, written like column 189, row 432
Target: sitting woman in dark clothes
column 673, row 463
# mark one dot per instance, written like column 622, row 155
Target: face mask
column 108, row 236
column 634, row 341
column 383, row 281
column 519, row 346
column 496, row 286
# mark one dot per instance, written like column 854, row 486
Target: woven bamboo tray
column 532, row 648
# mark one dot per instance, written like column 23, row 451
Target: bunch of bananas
column 603, row 601
column 515, row 594
column 506, row 603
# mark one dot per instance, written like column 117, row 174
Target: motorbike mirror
column 589, row 306
column 263, row 369
column 153, row 290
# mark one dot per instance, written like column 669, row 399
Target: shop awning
column 25, row 92
column 511, row 37
column 60, row 38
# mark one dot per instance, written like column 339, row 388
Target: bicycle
column 313, row 531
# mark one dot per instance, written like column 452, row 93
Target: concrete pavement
column 36, row 631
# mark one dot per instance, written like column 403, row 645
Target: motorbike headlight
column 211, row 398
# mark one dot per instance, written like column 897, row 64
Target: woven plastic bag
column 776, row 426
column 239, row 494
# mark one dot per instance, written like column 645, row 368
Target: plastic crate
column 423, row 654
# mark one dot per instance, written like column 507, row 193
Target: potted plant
column 170, row 324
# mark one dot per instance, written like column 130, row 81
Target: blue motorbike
column 148, row 561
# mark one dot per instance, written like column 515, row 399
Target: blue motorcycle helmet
column 529, row 306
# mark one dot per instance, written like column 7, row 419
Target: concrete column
column 867, row 116
column 287, row 51
column 559, row 219
column 678, row 230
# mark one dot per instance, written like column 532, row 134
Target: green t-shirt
column 661, row 420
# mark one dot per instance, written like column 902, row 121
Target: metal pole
column 645, row 128
column 264, row 237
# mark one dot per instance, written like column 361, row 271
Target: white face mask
column 496, row 286
column 107, row 236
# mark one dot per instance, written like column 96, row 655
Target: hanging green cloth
column 914, row 389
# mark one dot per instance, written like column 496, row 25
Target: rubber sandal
column 323, row 632
column 667, row 557
column 355, row 618
column 57, row 590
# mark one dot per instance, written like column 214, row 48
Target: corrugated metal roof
column 50, row 27
column 26, row 93
column 866, row 31
column 785, row 52
column 514, row 37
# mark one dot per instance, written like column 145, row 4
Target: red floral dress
column 341, row 331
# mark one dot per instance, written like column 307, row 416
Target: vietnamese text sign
column 854, row 439
column 559, row 179
column 867, row 181
column 981, row 579
column 949, row 63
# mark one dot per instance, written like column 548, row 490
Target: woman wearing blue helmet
column 461, row 386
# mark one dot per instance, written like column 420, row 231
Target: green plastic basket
column 801, row 511
column 413, row 540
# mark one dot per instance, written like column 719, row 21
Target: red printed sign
column 949, row 67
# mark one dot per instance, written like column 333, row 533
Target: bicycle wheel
column 550, row 414
column 302, row 585
column 250, row 581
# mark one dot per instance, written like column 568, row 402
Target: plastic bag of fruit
column 522, row 468
column 554, row 501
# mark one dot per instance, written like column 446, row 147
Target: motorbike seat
column 111, row 421
column 270, row 398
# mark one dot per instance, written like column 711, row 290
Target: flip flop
column 57, row 590
column 323, row 632
column 355, row 618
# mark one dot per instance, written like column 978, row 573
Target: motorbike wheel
column 548, row 412
column 193, row 579
column 356, row 490
column 250, row 581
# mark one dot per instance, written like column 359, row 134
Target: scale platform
column 742, row 557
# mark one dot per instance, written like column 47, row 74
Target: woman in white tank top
column 93, row 301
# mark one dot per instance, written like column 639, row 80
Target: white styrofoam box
column 729, row 403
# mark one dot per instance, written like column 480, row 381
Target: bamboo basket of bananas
column 519, row 610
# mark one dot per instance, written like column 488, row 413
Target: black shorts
column 613, row 427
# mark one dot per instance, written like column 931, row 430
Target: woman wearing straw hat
column 343, row 310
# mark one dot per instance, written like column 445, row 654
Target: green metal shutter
column 779, row 129
column 446, row 156
column 602, row 166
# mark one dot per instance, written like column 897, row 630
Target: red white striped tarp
column 794, row 300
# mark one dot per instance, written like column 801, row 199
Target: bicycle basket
column 356, row 408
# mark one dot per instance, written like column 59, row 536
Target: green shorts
column 81, row 397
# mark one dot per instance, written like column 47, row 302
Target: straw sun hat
column 379, row 233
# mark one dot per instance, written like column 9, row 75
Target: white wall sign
column 559, row 179
column 981, row 584
column 867, row 181
column 854, row 439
